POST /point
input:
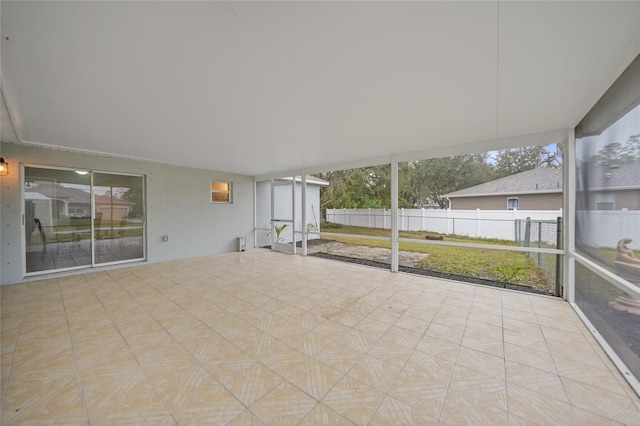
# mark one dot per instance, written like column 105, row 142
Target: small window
column 605, row 201
column 512, row 203
column 220, row 192
column 604, row 205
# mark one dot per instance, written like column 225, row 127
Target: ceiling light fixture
column 4, row 167
column 82, row 172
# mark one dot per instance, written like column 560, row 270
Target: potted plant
column 278, row 229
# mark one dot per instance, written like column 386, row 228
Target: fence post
column 527, row 234
column 558, row 257
column 477, row 223
column 539, row 242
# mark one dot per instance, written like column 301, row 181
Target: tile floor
column 266, row 338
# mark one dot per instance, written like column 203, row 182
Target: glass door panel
column 119, row 217
column 57, row 219
column 282, row 217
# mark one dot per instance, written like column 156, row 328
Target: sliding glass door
column 118, row 217
column 57, row 206
column 75, row 219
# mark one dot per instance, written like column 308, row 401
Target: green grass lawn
column 80, row 232
column 418, row 235
column 497, row 265
column 605, row 256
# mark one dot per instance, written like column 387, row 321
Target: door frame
column 276, row 245
column 92, row 240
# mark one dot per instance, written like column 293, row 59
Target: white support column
column 569, row 217
column 394, row 215
column 272, row 232
column 304, row 214
column 255, row 214
column 293, row 212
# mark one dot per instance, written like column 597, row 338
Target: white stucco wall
column 178, row 205
column 283, row 209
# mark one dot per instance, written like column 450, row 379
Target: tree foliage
column 618, row 153
column 516, row 160
column 366, row 187
column 427, row 181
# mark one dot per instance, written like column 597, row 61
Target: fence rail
column 529, row 228
column 605, row 227
column 474, row 223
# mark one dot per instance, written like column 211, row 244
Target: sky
column 620, row 131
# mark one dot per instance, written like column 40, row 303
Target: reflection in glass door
column 119, row 217
column 57, row 205
column 69, row 223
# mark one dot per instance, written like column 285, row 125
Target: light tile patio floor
column 267, row 338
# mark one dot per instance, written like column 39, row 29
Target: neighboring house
column 53, row 203
column 613, row 187
column 537, row 189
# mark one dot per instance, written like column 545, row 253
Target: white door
column 282, row 216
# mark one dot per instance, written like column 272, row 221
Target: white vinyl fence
column 474, row 223
column 604, row 228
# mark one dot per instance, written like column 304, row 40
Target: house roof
column 71, row 195
column 541, row 180
column 548, row 180
column 28, row 195
column 624, row 176
column 265, row 88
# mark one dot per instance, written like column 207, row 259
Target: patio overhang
column 262, row 88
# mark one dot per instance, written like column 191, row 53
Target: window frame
column 93, row 264
column 228, row 191
column 607, row 198
column 517, row 203
column 600, row 206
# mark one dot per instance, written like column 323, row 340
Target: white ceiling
column 265, row 87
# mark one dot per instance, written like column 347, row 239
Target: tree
column 420, row 182
column 134, row 197
column 516, row 160
column 618, row 153
column 631, row 150
column 355, row 188
column 366, row 187
column 433, row 178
